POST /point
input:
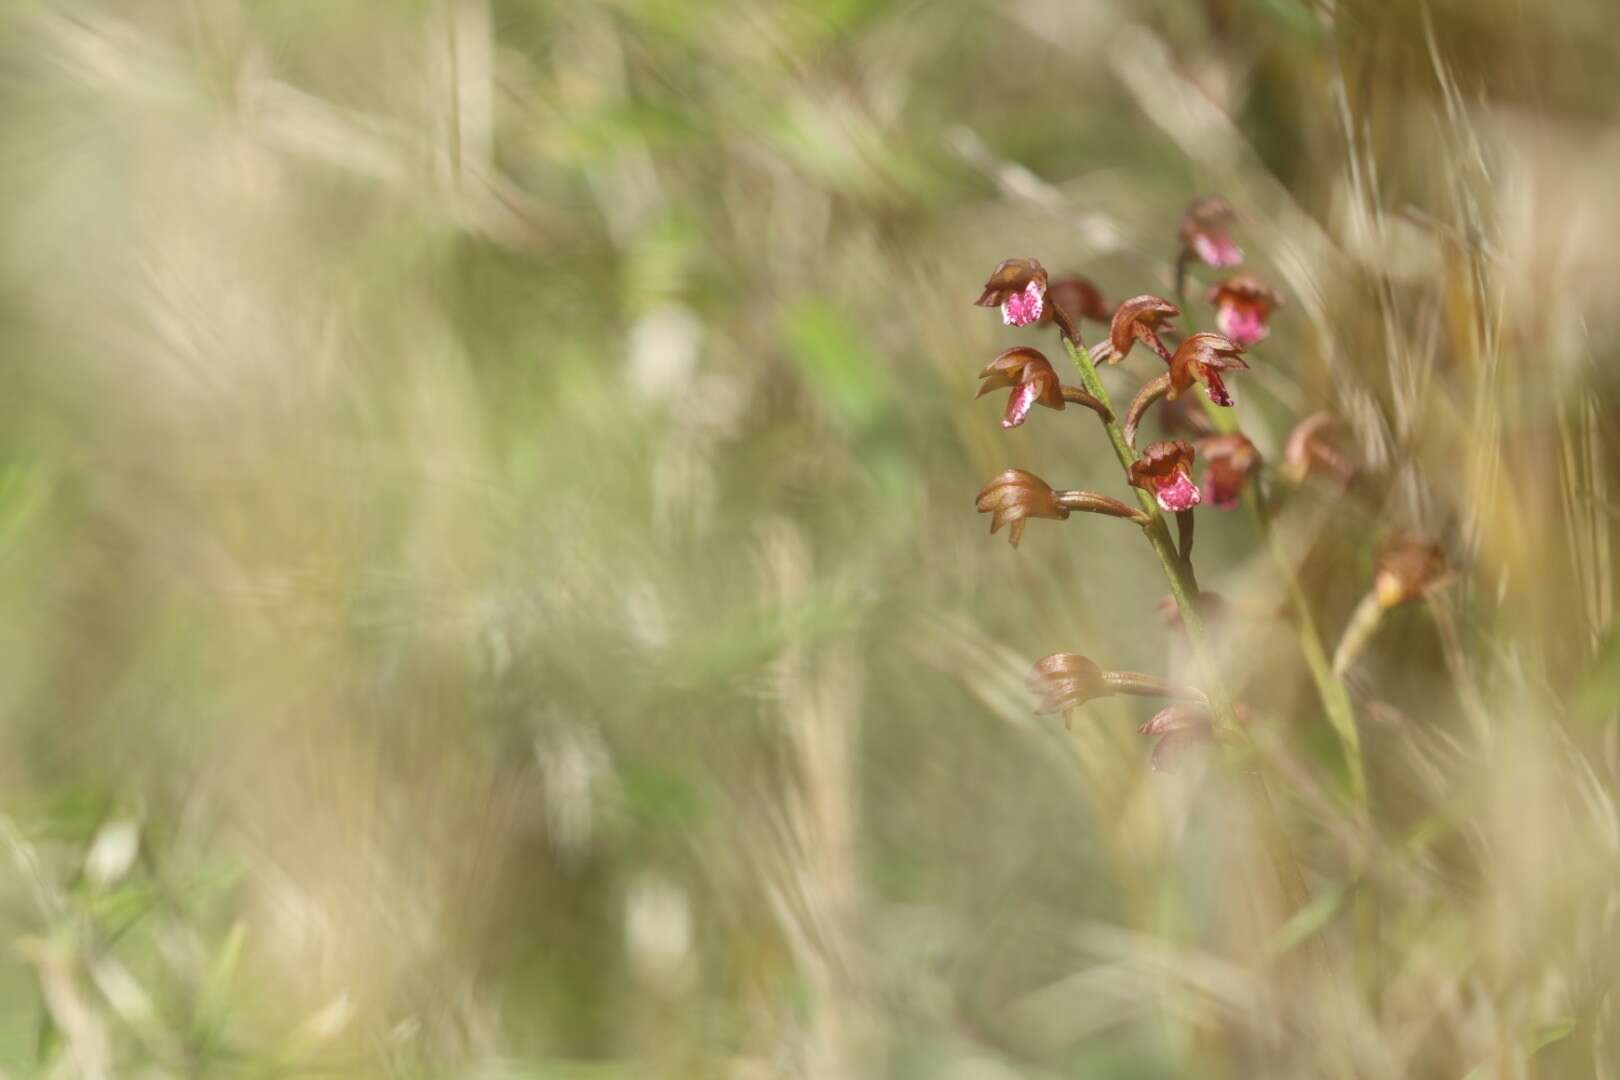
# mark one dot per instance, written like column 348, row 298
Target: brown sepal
column 1139, row 319
column 1012, row 276
column 1015, row 496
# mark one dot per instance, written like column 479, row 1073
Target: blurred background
column 489, row 583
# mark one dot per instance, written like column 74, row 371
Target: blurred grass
column 485, row 494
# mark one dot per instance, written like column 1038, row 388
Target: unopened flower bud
column 1408, row 568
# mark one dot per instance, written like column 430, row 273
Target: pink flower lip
column 1243, row 323
column 1218, row 393
column 1179, row 494
column 1021, row 309
column 1022, row 401
column 1217, row 249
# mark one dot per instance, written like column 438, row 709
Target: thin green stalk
column 1183, row 585
column 1330, row 687
column 1358, row 632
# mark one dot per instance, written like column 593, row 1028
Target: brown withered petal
column 1182, row 716
column 1202, row 358
column 1308, row 451
column 1408, row 568
column 1139, row 319
column 1165, row 471
column 1080, row 298
column 1181, row 727
column 1206, row 231
column 1189, row 716
column 1062, row 664
column 1060, row 695
column 1010, row 278
column 1014, row 496
column 1068, row 679
column 1065, row 680
column 1232, row 459
column 1008, row 366
column 1245, row 286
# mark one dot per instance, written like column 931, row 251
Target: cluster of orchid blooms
column 1243, row 305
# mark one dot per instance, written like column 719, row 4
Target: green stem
column 1330, row 687
column 1184, row 587
column 1341, row 715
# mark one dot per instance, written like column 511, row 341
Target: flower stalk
column 1224, row 720
column 1178, row 571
